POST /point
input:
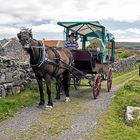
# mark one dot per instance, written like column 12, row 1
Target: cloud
column 45, row 28
column 134, row 30
column 122, row 10
column 42, row 15
column 130, row 35
column 8, row 32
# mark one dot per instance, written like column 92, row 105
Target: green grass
column 112, row 124
column 12, row 103
column 123, row 78
column 125, row 54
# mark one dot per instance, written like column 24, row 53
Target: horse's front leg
column 66, row 85
column 48, row 85
column 40, row 84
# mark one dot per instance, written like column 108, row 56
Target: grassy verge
column 124, row 77
column 11, row 104
column 112, row 124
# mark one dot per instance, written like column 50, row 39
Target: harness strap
column 41, row 58
column 57, row 60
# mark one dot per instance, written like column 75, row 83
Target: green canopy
column 89, row 30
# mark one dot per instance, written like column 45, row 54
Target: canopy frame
column 94, row 29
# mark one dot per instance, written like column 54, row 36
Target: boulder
column 132, row 113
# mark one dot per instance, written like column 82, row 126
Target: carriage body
column 91, row 64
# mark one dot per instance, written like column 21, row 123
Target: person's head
column 72, row 37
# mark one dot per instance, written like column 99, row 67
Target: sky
column 120, row 17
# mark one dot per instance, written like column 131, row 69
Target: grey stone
column 130, row 113
column 8, row 85
column 2, row 78
column 8, row 77
column 16, row 90
column 2, row 91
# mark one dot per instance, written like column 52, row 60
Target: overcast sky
column 121, row 17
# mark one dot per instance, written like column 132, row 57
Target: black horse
column 47, row 62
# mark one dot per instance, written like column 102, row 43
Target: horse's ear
column 30, row 30
column 18, row 35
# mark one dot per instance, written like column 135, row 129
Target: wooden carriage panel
column 83, row 60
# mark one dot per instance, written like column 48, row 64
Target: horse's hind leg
column 66, row 84
column 58, row 87
column 40, row 84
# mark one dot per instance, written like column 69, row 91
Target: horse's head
column 25, row 37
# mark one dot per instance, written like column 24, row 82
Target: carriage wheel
column 109, row 79
column 97, row 86
column 76, row 83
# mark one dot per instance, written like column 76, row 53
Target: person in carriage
column 72, row 43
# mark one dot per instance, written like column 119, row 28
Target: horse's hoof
column 47, row 107
column 41, row 103
column 57, row 98
column 67, row 99
column 41, row 106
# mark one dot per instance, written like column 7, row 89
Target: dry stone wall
column 125, row 64
column 14, row 77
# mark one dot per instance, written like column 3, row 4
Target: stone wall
column 12, row 49
column 125, row 64
column 14, row 77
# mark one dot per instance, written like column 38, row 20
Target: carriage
column 48, row 62
column 91, row 64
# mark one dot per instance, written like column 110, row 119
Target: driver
column 71, row 44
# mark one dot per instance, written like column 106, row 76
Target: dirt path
column 71, row 121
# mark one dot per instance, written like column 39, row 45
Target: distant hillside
column 129, row 45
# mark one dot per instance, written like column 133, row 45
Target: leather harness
column 43, row 57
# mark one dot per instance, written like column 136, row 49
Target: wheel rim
column 97, row 86
column 109, row 80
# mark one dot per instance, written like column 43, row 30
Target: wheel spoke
column 109, row 79
column 97, row 86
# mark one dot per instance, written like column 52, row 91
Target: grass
column 123, row 53
column 112, row 124
column 10, row 104
column 124, row 78
column 13, row 103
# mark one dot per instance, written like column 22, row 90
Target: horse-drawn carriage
column 91, row 64
column 48, row 62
